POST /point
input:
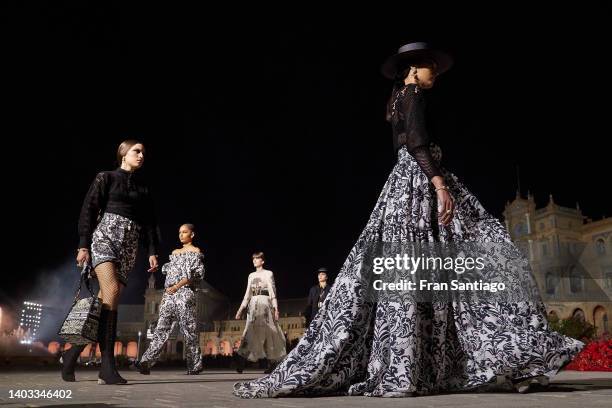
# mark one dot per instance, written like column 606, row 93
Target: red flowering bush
column 596, row 356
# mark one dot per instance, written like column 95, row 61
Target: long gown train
column 356, row 346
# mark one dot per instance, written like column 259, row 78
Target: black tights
column 110, row 287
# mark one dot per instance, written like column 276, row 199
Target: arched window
column 578, row 315
column 600, row 317
column 211, row 347
column 576, row 281
column 608, row 279
column 118, row 348
column 600, row 246
column 551, row 283
column 132, row 349
column 225, row 348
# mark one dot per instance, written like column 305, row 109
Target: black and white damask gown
column 391, row 349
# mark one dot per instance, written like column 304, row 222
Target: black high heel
column 143, row 367
column 69, row 359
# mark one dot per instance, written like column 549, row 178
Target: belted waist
column 192, row 287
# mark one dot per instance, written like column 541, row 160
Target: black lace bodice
column 406, row 113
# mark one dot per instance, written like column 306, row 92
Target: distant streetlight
column 138, row 348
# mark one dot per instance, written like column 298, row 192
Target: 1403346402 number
column 38, row 394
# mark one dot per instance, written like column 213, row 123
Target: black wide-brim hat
column 413, row 54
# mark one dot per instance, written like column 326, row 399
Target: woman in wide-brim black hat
column 418, row 55
column 361, row 344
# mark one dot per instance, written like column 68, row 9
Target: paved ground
column 212, row 388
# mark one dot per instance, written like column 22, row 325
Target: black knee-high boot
column 240, row 363
column 69, row 359
column 107, row 335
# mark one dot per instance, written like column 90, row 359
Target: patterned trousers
column 179, row 307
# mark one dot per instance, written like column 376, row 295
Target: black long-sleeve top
column 406, row 112
column 315, row 295
column 124, row 193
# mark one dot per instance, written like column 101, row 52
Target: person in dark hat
column 393, row 347
column 417, row 55
column 316, row 296
column 413, row 69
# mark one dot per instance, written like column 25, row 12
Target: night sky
column 269, row 133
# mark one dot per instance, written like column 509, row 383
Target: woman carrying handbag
column 116, row 213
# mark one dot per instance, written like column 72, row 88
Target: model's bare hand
column 82, row 257
column 153, row 263
column 238, row 314
column 276, row 315
column 446, row 207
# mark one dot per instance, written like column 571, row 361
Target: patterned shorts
column 115, row 239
